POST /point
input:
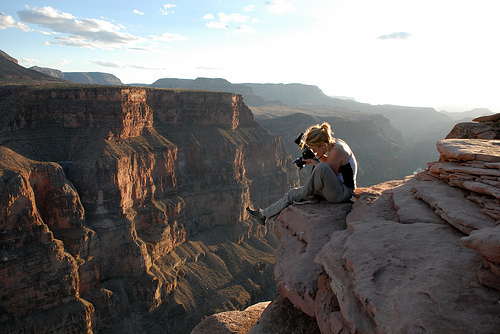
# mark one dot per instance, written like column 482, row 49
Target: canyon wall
column 123, row 208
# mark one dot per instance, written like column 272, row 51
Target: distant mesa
column 216, row 84
column 469, row 114
column 93, row 78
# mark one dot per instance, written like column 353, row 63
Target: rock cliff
column 418, row 255
column 123, row 208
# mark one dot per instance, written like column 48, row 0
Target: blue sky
column 428, row 53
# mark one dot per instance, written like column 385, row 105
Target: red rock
column 481, row 188
column 485, row 241
column 231, row 322
column 447, row 167
column 469, row 149
column 451, row 204
column 400, row 266
column 37, row 273
column 490, row 118
column 281, row 316
column 295, row 271
column 484, row 127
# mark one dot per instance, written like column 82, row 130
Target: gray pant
column 322, row 182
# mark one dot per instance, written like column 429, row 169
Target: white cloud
column 249, row 8
column 122, row 65
column 107, row 64
column 244, row 29
column 216, row 25
column 209, row 16
column 23, row 27
column 30, row 61
column 279, row 7
column 83, row 33
column 6, row 21
column 138, row 12
column 395, row 35
column 226, row 18
column 167, row 9
column 64, row 61
column 168, row 37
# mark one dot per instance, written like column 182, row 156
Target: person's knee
column 322, row 167
column 342, row 194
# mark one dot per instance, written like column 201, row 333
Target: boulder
column 484, row 127
column 231, row 322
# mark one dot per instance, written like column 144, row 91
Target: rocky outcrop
column 420, row 254
column 38, row 274
column 473, row 166
column 125, row 206
column 485, row 127
column 231, row 322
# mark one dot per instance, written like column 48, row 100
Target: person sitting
column 333, row 177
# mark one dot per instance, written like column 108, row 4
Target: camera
column 306, row 153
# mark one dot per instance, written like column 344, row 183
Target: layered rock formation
column 485, row 127
column 123, row 208
column 38, row 276
column 416, row 255
column 231, row 322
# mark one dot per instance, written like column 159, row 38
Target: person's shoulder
column 342, row 148
column 339, row 144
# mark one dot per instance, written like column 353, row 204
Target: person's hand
column 310, row 161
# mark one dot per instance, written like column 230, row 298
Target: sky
column 442, row 54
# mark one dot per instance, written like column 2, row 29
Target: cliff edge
column 419, row 255
column 416, row 255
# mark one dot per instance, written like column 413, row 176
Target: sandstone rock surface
column 235, row 322
column 485, row 127
column 281, row 316
column 469, row 150
column 415, row 255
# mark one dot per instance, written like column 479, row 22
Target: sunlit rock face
column 125, row 206
column 485, row 127
column 413, row 255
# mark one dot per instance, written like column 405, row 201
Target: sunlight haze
column 440, row 53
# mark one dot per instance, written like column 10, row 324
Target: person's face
column 320, row 150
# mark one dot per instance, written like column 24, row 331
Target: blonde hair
column 318, row 134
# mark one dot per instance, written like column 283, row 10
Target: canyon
column 122, row 211
column 123, row 208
